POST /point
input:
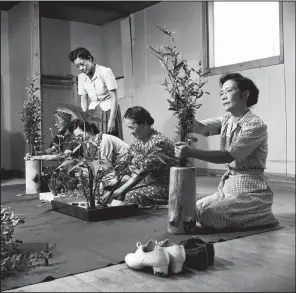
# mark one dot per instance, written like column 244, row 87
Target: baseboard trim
column 269, row 176
column 11, row 174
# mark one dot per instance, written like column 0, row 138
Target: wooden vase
column 32, row 176
column 182, row 200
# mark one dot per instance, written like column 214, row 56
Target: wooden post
column 182, row 200
column 35, row 51
column 34, row 167
column 127, row 44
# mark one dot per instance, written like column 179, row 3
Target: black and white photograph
column 147, row 146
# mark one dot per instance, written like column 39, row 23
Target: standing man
column 98, row 83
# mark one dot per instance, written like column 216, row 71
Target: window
column 242, row 35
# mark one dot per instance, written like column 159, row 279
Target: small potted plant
column 184, row 86
column 31, row 117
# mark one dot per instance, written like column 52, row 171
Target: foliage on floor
column 14, row 259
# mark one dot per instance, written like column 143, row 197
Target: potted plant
column 184, row 86
column 93, row 173
column 31, row 117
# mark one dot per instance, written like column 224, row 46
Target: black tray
column 97, row 214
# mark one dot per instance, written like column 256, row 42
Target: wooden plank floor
column 259, row 263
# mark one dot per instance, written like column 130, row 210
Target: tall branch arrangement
column 184, row 85
column 31, row 117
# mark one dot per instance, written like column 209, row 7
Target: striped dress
column 244, row 199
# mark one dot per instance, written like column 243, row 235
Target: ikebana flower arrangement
column 31, row 117
column 83, row 164
column 91, row 173
column 184, row 85
column 61, row 182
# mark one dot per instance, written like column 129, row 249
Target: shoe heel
column 176, row 267
column 160, row 271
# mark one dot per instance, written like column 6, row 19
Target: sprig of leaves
column 31, row 117
column 183, row 83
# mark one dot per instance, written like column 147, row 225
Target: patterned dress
column 155, row 190
column 244, row 198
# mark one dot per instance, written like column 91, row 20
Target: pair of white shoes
column 162, row 256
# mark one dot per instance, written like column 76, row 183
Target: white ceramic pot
column 32, row 176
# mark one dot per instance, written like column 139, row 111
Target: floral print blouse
column 158, row 171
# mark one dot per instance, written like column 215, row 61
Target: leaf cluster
column 183, row 83
column 31, row 117
column 13, row 259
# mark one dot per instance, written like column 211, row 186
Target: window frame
column 208, row 41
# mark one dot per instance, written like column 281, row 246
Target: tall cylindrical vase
column 32, row 176
column 182, row 200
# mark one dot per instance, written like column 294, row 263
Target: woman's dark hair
column 80, row 53
column 243, row 83
column 139, row 114
column 89, row 127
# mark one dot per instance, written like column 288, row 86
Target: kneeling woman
column 62, row 141
column 244, row 199
column 148, row 185
column 101, row 145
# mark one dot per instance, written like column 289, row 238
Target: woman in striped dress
column 244, row 199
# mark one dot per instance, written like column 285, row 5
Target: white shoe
column 149, row 255
column 177, row 255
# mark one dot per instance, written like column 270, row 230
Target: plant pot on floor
column 32, row 176
column 182, row 200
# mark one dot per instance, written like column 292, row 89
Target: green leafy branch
column 31, row 117
column 183, row 83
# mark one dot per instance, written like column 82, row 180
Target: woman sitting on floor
column 63, row 140
column 62, row 143
column 152, row 177
column 101, row 145
column 244, row 199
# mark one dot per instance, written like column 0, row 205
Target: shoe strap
column 139, row 244
column 163, row 242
